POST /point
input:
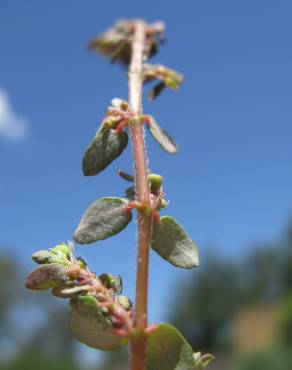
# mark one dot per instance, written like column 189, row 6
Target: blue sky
column 229, row 185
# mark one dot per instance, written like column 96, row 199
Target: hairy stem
column 138, row 343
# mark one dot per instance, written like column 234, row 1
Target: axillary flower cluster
column 95, row 301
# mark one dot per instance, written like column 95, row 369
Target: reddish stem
column 138, row 342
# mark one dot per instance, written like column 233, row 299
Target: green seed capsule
column 155, row 182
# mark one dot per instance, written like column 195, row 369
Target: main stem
column 138, row 342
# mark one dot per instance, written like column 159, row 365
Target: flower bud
column 62, row 249
column 81, row 263
column 111, row 282
column 163, row 203
column 51, row 256
column 125, row 302
column 42, row 257
column 120, row 104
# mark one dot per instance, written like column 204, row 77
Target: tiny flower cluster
column 98, row 298
column 116, row 43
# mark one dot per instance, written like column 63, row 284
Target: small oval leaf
column 125, row 176
column 168, row 350
column 47, row 277
column 86, row 305
column 173, row 244
column 156, row 90
column 162, row 137
column 130, row 193
column 102, row 219
column 90, row 331
column 104, row 149
column 64, row 291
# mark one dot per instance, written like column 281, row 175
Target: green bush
column 271, row 359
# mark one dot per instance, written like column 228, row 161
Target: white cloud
column 13, row 127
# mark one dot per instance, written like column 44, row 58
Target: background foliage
column 204, row 316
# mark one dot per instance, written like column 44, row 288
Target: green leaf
column 104, row 149
column 130, row 193
column 117, row 42
column 46, row 277
column 90, row 331
column 167, row 77
column 173, row 244
column 86, row 306
column 125, row 176
column 171, row 83
column 167, row 349
column 102, row 219
column 156, row 90
column 162, row 137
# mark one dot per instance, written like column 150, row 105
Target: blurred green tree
column 269, row 359
column 206, row 304
column 219, row 287
column 46, row 346
column 31, row 359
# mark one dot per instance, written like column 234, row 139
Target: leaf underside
column 103, row 218
column 167, row 349
column 162, row 137
column 104, row 149
column 88, row 330
column 46, row 277
column 173, row 244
